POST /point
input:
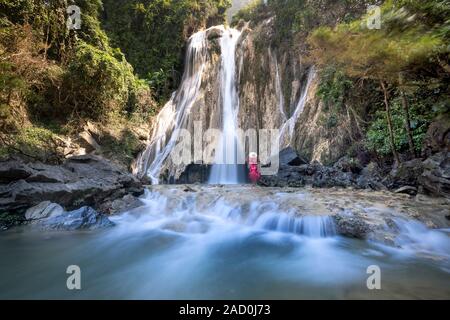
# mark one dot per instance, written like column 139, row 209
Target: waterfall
column 225, row 169
column 287, row 130
column 188, row 104
column 278, row 87
column 175, row 113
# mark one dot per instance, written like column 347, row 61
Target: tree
column 391, row 56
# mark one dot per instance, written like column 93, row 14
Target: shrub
column 378, row 135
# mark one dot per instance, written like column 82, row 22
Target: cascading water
column 175, row 113
column 287, row 130
column 278, row 88
column 226, row 169
column 224, row 242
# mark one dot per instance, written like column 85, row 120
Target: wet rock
column 289, row 157
column 127, row 203
column 435, row 179
column 352, row 226
column 313, row 174
column 44, row 210
column 412, row 191
column 83, row 218
column 194, row 173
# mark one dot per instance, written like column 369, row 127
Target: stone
column 14, row 169
column 81, row 219
column 405, row 174
column 347, row 164
column 80, row 181
column 127, row 203
column 45, row 209
column 435, row 179
column 437, row 138
column 412, row 191
column 352, row 226
column 289, row 157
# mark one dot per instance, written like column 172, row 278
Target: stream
column 202, row 245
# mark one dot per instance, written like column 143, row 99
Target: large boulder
column 81, row 181
column 351, row 226
column 437, row 138
column 405, row 174
column 289, row 157
column 83, row 218
column 43, row 210
column 13, row 170
column 435, row 179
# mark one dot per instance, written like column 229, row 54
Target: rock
column 437, row 138
column 214, row 33
column 127, row 203
column 194, row 173
column 81, row 181
column 352, row 226
column 435, row 179
column 14, row 169
column 289, row 157
column 83, row 218
column 412, row 191
column 405, row 174
column 189, row 189
column 44, row 210
column 90, row 144
column 347, row 164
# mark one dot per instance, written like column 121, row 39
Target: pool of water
column 159, row 251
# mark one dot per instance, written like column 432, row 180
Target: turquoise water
column 157, row 253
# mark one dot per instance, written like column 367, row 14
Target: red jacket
column 254, row 174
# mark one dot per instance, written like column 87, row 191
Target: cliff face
column 278, row 88
column 194, row 103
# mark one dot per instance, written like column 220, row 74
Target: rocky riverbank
column 361, row 214
column 82, row 181
column 84, row 190
column 430, row 176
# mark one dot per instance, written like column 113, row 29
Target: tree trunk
column 389, row 122
column 405, row 103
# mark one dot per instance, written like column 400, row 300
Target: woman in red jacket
column 254, row 174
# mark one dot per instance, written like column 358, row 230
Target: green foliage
column 409, row 54
column 403, row 46
column 152, row 34
column 251, row 12
column 378, row 135
column 98, row 82
column 34, row 143
column 300, row 16
column 333, row 87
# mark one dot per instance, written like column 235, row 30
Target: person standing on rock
column 254, row 174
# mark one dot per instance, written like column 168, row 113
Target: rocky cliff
column 278, row 87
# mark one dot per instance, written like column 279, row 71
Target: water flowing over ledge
column 237, row 242
column 210, row 94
